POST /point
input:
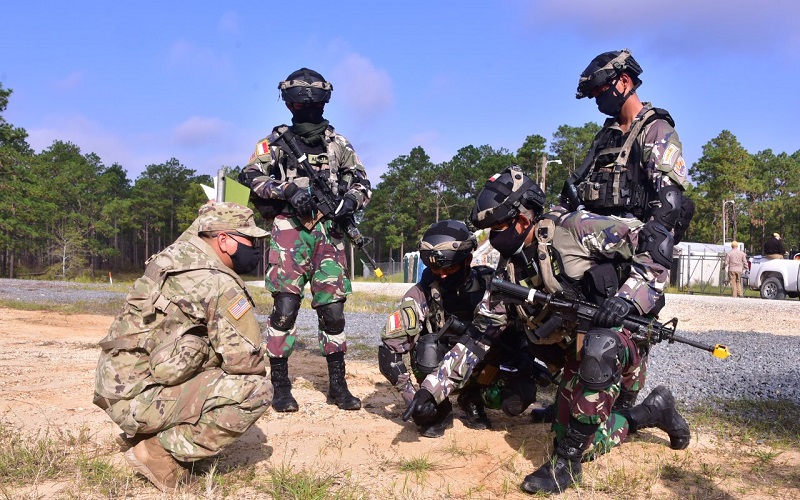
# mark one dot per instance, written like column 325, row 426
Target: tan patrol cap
column 227, row 216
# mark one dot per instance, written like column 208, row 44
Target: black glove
column 346, row 208
column 423, row 406
column 612, row 312
column 299, row 198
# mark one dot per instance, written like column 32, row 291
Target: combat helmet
column 446, row 243
column 605, row 69
column 305, row 86
column 503, row 196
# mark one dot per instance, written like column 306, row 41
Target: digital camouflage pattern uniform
column 580, row 241
column 184, row 358
column 297, row 254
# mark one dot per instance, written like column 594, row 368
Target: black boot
column 658, row 410
column 546, row 415
column 338, row 393
column 523, row 394
column 435, row 426
column 475, row 416
column 564, row 467
column 625, row 400
column 282, row 399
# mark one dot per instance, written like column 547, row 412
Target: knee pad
column 331, row 318
column 669, row 211
column 600, row 367
column 657, row 240
column 284, row 311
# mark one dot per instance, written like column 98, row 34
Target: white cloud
column 362, row 88
column 87, row 135
column 199, row 130
column 186, row 56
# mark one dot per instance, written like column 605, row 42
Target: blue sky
column 142, row 82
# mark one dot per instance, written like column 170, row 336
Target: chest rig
column 322, row 159
column 615, row 181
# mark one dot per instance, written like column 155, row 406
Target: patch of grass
column 458, row 450
column 286, row 482
column 774, row 423
column 102, row 476
column 419, row 467
column 110, row 307
column 25, row 459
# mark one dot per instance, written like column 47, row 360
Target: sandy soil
column 46, row 382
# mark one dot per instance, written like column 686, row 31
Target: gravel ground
column 763, row 337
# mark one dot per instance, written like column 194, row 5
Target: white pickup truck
column 775, row 279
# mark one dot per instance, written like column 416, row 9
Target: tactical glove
column 423, row 406
column 345, row 208
column 299, row 198
column 612, row 312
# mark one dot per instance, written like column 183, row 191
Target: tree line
column 64, row 213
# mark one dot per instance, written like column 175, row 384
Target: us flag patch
column 239, row 306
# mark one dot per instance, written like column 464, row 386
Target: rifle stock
column 327, row 203
column 580, row 314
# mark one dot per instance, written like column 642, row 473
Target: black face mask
column 307, row 114
column 245, row 259
column 454, row 280
column 610, row 102
column 508, row 241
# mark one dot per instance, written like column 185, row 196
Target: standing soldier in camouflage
column 432, row 316
column 182, row 369
column 604, row 259
column 305, row 248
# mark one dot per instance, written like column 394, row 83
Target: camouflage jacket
column 270, row 168
column 580, row 241
column 189, row 312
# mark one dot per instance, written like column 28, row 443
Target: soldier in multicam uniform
column 432, row 316
column 182, row 369
column 606, row 259
column 305, row 248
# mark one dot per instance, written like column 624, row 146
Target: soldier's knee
column 331, row 318
column 600, row 367
column 284, row 310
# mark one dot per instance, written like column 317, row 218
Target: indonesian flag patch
column 262, row 148
column 239, row 306
column 395, row 322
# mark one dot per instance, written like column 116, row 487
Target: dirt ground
column 46, row 381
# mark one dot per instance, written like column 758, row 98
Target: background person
column 736, row 262
column 773, row 247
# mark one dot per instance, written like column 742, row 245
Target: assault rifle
column 578, row 315
column 326, row 202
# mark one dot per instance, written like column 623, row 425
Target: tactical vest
column 615, row 182
column 158, row 338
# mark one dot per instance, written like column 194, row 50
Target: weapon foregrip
column 512, row 290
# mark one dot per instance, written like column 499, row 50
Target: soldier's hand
column 612, row 312
column 423, row 406
column 346, row 208
column 299, row 198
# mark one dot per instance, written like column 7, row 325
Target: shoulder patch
column 262, row 148
column 667, row 157
column 411, row 317
column 680, row 167
column 239, row 306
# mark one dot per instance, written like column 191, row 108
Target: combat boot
column 151, row 460
column 523, row 395
column 475, row 416
column 282, row 399
column 435, row 426
column 546, row 415
column 564, row 467
column 658, row 410
column 338, row 393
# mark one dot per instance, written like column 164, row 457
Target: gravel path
column 763, row 336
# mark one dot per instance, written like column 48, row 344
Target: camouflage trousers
column 594, row 407
column 298, row 256
column 198, row 418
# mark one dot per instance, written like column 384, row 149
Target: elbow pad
column 668, row 211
